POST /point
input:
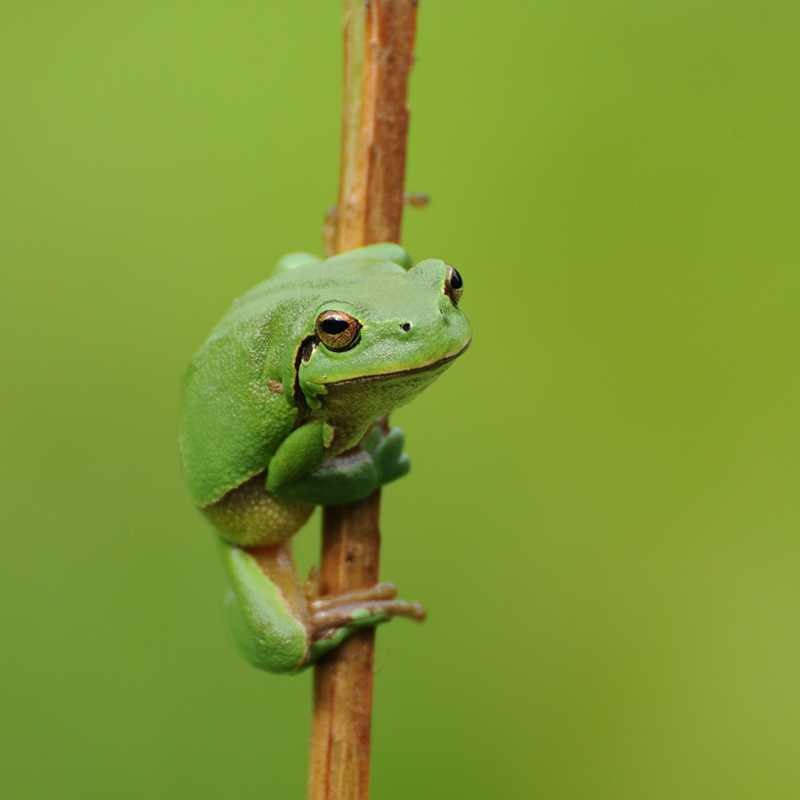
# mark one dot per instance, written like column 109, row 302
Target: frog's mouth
column 379, row 376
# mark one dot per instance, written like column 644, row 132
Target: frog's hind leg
column 267, row 611
column 278, row 624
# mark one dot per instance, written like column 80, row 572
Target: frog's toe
column 360, row 609
column 390, row 460
column 381, row 591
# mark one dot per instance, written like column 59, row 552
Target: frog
column 284, row 408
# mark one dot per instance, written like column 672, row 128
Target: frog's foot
column 350, row 476
column 336, row 616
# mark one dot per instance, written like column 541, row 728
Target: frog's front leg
column 300, row 471
column 276, row 626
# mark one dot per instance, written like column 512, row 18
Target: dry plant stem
column 340, row 738
column 379, row 40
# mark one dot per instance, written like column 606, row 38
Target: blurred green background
column 604, row 509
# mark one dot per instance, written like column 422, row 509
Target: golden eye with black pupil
column 337, row 330
column 453, row 285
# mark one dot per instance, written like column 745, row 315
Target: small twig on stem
column 379, row 41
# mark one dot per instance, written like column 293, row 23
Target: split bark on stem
column 379, row 41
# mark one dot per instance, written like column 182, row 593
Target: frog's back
column 235, row 410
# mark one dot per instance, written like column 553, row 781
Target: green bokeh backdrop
column 604, row 509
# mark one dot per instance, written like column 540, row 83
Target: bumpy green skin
column 270, row 417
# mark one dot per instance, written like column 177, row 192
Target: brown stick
column 379, row 40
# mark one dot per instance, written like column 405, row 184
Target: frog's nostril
column 406, row 326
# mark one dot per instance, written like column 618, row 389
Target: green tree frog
column 282, row 409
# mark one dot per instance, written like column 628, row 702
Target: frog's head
column 396, row 331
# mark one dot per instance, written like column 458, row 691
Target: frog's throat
column 378, row 376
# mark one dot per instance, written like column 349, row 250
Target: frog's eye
column 337, row 330
column 453, row 285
